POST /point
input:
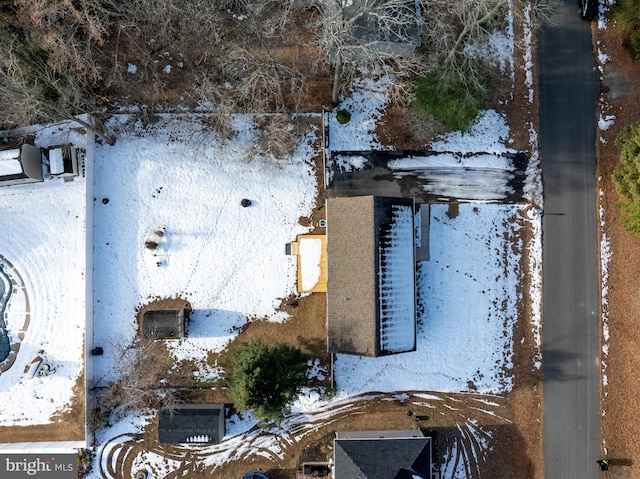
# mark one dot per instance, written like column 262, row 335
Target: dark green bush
column 85, row 462
column 631, row 221
column 626, row 13
column 627, row 176
column 633, row 45
column 266, row 379
column 450, row 100
column 343, row 116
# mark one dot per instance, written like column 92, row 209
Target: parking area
column 429, row 176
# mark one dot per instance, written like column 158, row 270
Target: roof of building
column 20, row 165
column 384, row 28
column 192, row 424
column 370, row 275
column 163, row 324
column 382, row 458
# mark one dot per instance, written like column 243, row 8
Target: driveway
column 429, row 176
column 568, row 88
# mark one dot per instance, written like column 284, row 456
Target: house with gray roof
column 376, row 28
column 371, row 296
column 382, row 455
column 192, row 424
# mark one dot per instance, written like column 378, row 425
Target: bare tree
column 451, row 27
column 47, row 68
column 357, row 34
column 262, row 80
column 545, row 12
column 280, row 134
column 217, row 101
column 142, row 368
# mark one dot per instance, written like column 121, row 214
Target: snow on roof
column 10, row 167
column 10, row 162
column 369, row 268
column 396, row 283
column 56, row 162
column 12, row 154
column 449, row 159
column 310, row 251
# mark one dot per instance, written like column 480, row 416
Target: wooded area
column 65, row 57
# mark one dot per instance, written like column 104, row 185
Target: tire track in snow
column 467, row 449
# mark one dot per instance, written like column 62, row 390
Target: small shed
column 163, row 324
column 192, row 424
column 21, row 165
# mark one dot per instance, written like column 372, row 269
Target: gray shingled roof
column 400, row 40
column 393, row 458
column 192, row 424
column 355, row 228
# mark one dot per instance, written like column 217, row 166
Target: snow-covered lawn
column 468, row 292
column 42, row 251
column 176, row 185
column 227, row 260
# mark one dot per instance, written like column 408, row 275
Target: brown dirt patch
column 620, row 400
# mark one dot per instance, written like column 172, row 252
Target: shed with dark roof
column 371, row 300
column 163, row 324
column 192, row 424
column 382, row 455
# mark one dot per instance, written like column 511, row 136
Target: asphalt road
column 568, row 87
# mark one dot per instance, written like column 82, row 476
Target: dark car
column 255, row 475
column 588, row 9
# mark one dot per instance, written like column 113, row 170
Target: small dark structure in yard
column 382, row 455
column 163, row 324
column 311, row 470
column 21, row 165
column 374, row 36
column 192, row 424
